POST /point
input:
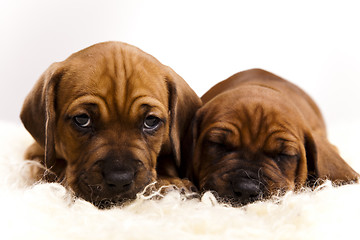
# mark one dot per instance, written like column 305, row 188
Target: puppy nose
column 246, row 190
column 119, row 180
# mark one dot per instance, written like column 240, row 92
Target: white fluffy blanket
column 47, row 211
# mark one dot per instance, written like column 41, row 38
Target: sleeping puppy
column 258, row 134
column 108, row 121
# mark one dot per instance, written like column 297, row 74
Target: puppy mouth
column 235, row 187
column 103, row 195
column 239, row 185
column 103, row 200
column 237, row 199
column 240, row 191
column 122, row 199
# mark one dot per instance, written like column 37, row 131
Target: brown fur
column 256, row 134
column 118, row 86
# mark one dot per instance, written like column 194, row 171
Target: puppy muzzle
column 113, row 180
column 237, row 188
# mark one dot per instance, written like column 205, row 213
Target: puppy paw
column 167, row 184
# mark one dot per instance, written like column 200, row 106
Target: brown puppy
column 256, row 134
column 108, row 121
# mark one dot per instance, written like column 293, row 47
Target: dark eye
column 82, row 120
column 151, row 123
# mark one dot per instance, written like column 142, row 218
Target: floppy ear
column 38, row 112
column 183, row 103
column 188, row 167
column 324, row 161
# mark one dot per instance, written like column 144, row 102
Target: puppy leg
column 38, row 171
column 36, row 153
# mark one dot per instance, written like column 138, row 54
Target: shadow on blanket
column 47, row 211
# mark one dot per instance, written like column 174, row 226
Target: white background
column 315, row 44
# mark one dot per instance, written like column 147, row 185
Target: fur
column 48, row 211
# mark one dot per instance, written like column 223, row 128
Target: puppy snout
column 118, row 173
column 118, row 180
column 245, row 190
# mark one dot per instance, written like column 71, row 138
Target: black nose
column 119, row 180
column 246, row 190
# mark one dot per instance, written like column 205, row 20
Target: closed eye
column 285, row 157
column 218, row 147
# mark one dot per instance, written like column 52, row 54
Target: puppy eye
column 282, row 157
column 151, row 123
column 82, row 120
column 215, row 144
column 218, row 147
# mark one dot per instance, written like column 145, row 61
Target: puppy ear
column 183, row 103
column 324, row 161
column 188, row 167
column 38, row 112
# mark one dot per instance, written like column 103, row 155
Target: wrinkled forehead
column 250, row 120
column 250, row 103
column 114, row 76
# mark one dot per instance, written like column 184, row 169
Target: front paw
column 167, row 184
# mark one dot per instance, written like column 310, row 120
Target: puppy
column 108, row 121
column 257, row 134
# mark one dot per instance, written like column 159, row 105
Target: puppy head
column 109, row 111
column 252, row 143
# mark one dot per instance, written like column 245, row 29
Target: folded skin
column 257, row 135
column 108, row 121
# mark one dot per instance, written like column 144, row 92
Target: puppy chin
column 239, row 189
column 103, row 198
column 225, row 193
column 91, row 187
column 261, row 192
